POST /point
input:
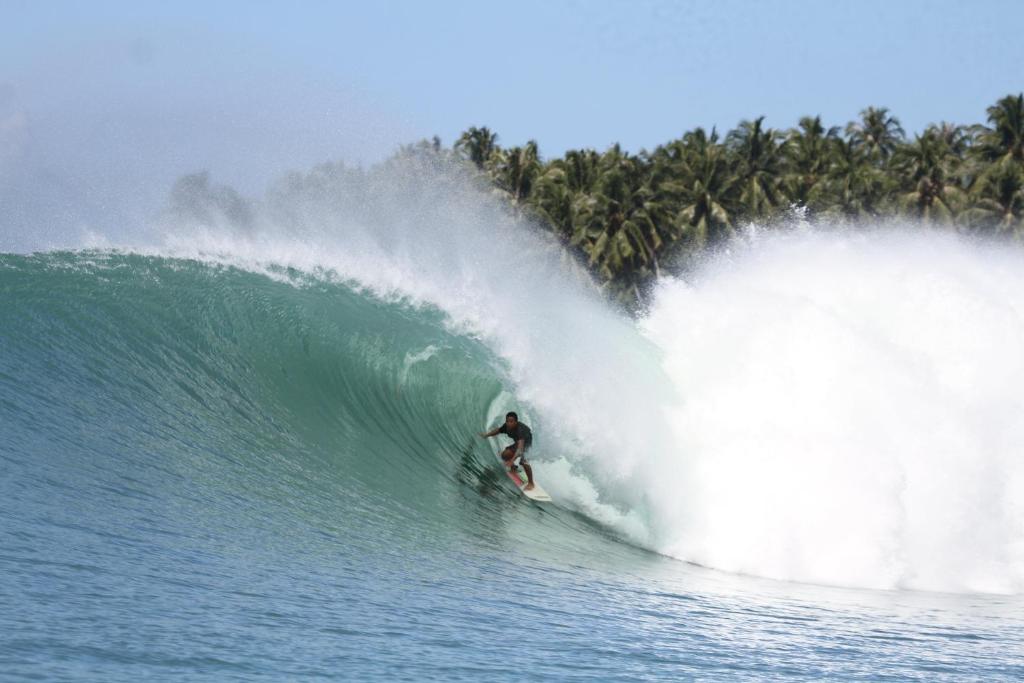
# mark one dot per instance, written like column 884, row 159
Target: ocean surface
column 255, row 457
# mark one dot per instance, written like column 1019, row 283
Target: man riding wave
column 522, row 439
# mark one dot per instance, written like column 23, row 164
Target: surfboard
column 536, row 493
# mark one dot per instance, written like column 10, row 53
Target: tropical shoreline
column 628, row 218
column 626, row 214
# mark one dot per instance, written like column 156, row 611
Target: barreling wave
column 175, row 363
column 827, row 407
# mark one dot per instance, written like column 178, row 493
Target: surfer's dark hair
column 508, row 415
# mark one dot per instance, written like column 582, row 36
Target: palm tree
column 515, row 170
column 581, row 169
column 807, row 153
column 1005, row 138
column 613, row 225
column 878, row 134
column 928, row 166
column 477, row 145
column 759, row 166
column 957, row 139
column 708, row 189
column 561, row 185
column 854, row 188
column 999, row 200
column 553, row 201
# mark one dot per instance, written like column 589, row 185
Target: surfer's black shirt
column 520, row 431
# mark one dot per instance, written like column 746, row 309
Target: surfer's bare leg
column 507, row 456
column 529, row 475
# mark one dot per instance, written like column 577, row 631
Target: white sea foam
column 851, row 412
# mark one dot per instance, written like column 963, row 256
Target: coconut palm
column 759, row 169
column 854, row 188
column 957, row 139
column 553, row 201
column 877, row 134
column 582, row 169
column 998, row 200
column 708, row 189
column 477, row 145
column 1005, row 138
column 516, row 169
column 613, row 225
column 560, row 186
column 807, row 152
column 928, row 167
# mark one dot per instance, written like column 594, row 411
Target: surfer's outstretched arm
column 493, row 432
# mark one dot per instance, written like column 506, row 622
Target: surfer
column 522, row 439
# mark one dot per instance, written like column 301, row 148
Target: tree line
column 624, row 214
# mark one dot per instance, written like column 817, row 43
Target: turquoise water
column 216, row 474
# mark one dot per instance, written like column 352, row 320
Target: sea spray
column 851, row 412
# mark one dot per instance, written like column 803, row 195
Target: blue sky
column 148, row 90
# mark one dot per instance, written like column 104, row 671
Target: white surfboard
column 536, row 493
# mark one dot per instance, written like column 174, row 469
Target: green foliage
column 1004, row 140
column 624, row 215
